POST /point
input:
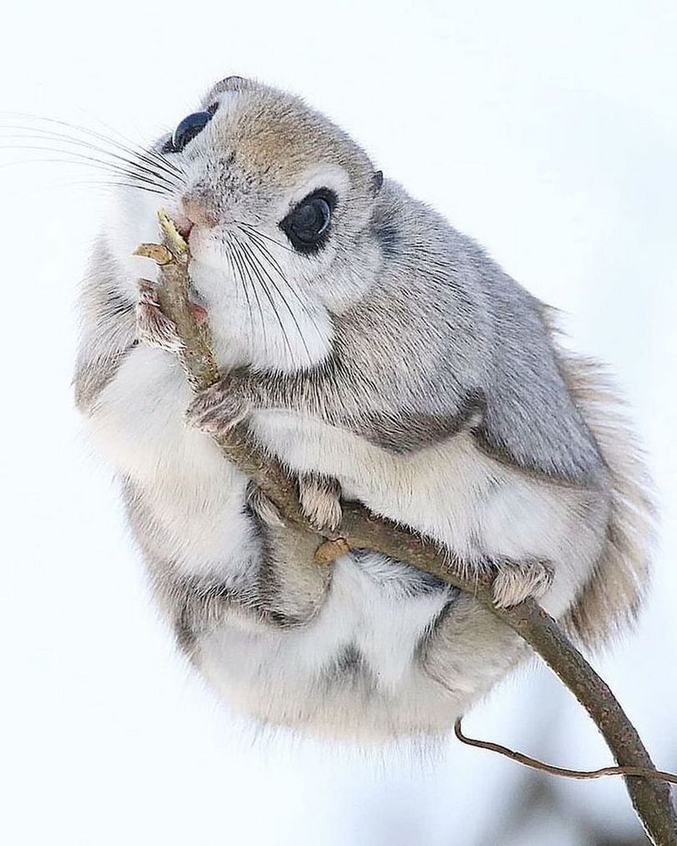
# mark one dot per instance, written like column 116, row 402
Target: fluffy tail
column 611, row 598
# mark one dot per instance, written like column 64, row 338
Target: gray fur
column 398, row 365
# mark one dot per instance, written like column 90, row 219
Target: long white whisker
column 264, row 252
column 158, row 157
column 261, row 271
column 253, row 229
column 76, row 157
column 166, row 165
column 257, row 269
column 237, row 255
column 237, row 277
column 46, row 135
column 120, row 184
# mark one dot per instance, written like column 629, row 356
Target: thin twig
column 361, row 529
column 535, row 764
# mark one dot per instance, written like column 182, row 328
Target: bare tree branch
column 565, row 772
column 361, row 529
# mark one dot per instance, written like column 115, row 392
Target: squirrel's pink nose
column 198, row 213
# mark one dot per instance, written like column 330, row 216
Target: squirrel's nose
column 198, row 212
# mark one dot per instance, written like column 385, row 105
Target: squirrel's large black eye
column 307, row 225
column 187, row 130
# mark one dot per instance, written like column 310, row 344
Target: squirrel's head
column 279, row 203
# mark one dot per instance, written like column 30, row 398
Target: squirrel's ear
column 230, row 83
column 376, row 182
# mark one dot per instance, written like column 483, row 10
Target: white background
column 546, row 130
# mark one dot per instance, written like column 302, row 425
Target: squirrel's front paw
column 220, row 407
column 321, row 501
column 516, row 581
column 153, row 328
column 264, row 508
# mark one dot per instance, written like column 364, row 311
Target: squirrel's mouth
column 183, row 225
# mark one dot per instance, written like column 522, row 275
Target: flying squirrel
column 383, row 357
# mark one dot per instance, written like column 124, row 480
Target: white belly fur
column 454, row 492
column 451, row 491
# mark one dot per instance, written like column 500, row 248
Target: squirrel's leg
column 516, row 581
column 241, row 392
